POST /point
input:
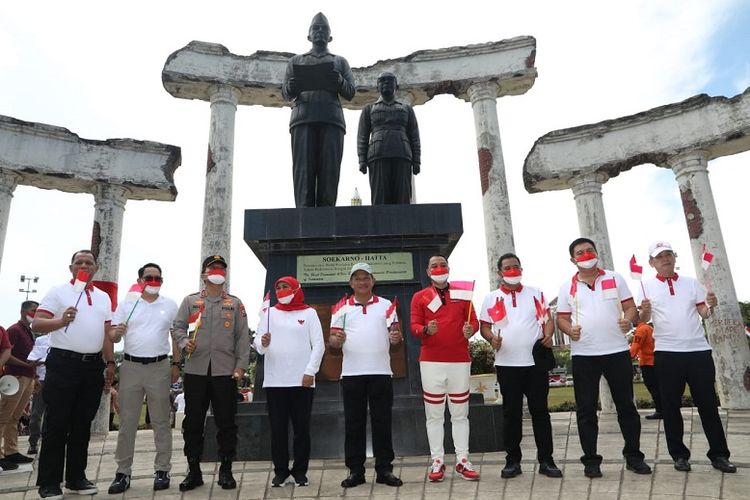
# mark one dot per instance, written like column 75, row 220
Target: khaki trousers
column 11, row 409
column 153, row 381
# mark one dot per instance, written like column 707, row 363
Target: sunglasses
column 153, row 279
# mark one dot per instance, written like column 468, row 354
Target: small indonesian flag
column 435, row 303
column 338, row 313
column 265, row 305
column 462, row 290
column 82, row 278
column 541, row 310
column 707, row 258
column 194, row 321
column 498, row 314
column 391, row 314
column 636, row 271
column 609, row 289
column 134, row 293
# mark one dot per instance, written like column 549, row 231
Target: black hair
column 143, row 269
column 577, row 242
column 509, row 255
column 28, row 304
column 83, row 251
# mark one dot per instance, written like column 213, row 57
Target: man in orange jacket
column 643, row 348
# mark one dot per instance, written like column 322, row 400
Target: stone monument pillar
column 498, row 226
column 217, row 208
column 592, row 223
column 8, row 183
column 725, row 330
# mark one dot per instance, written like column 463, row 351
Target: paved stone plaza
column 325, row 475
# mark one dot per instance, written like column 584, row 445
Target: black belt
column 96, row 356
column 145, row 361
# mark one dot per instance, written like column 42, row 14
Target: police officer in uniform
column 211, row 328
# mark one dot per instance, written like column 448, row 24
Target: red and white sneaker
column 466, row 470
column 437, row 471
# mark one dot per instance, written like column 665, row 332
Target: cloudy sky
column 95, row 69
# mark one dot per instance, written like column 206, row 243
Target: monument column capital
column 588, row 183
column 224, row 94
column 111, row 194
column 691, row 162
column 8, row 181
column 482, row 91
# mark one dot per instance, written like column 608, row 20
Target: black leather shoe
column 81, row 487
column 592, row 471
column 194, row 476
column 353, row 480
column 681, row 464
column 226, row 480
column 654, row 416
column 638, row 467
column 549, row 469
column 724, row 465
column 17, row 458
column 301, row 480
column 7, row 465
column 50, row 492
column 120, row 484
column 279, row 480
column 33, row 450
column 161, row 480
column 511, row 469
column 389, row 479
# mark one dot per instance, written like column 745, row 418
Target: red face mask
column 285, row 295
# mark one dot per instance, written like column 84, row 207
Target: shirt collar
column 317, row 54
column 508, row 291
column 663, row 279
column 373, row 300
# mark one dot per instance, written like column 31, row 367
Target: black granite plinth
column 278, row 237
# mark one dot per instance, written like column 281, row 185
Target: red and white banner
column 134, row 293
column 609, row 289
column 391, row 314
column 462, row 290
column 636, row 271
column 82, row 279
column 498, row 314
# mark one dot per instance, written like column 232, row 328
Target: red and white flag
column 134, row 294
column 636, row 271
column 265, row 305
column 391, row 314
column 194, row 320
column 338, row 313
column 498, row 314
column 541, row 310
column 435, row 302
column 462, row 290
column 707, row 258
column 82, row 278
column 609, row 289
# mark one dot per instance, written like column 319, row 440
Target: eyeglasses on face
column 153, row 279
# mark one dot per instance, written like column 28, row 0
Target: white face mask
column 512, row 280
column 153, row 290
column 29, row 319
column 286, row 300
column 217, row 279
column 588, row 264
column 439, row 278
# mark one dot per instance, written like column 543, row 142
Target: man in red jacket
column 444, row 324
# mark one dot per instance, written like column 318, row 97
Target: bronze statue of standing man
column 388, row 144
column 313, row 82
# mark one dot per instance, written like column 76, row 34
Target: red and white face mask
column 30, row 316
column 439, row 275
column 285, row 295
column 217, row 276
column 587, row 260
column 512, row 276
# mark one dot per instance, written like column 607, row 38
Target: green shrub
column 482, row 357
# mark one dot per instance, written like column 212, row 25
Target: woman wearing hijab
column 291, row 339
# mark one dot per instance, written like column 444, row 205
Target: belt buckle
column 145, row 361
column 88, row 357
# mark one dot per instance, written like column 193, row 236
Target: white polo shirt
column 84, row 335
column 522, row 330
column 147, row 335
column 600, row 333
column 367, row 346
column 674, row 312
column 296, row 346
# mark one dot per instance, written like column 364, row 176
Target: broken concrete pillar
column 725, row 329
column 8, row 183
column 498, row 227
column 217, row 209
column 106, row 236
column 592, row 224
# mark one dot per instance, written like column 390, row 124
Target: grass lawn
column 559, row 395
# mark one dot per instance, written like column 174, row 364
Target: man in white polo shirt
column 77, row 323
column 595, row 309
column 676, row 304
column 145, row 325
column 516, row 372
column 366, row 376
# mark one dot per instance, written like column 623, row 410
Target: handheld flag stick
column 132, row 311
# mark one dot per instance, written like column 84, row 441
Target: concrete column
column 592, row 223
column 217, row 208
column 8, row 183
column 106, row 239
column 725, row 330
column 498, row 226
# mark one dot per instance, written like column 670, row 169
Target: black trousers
column 674, row 370
column 358, row 392
column 38, row 407
column 515, row 382
column 390, row 181
column 651, row 381
column 72, row 391
column 221, row 394
column 317, row 149
column 618, row 371
column 285, row 404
